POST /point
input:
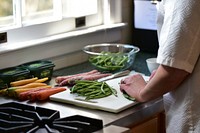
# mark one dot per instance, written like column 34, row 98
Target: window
column 40, row 11
column 78, row 8
column 36, row 19
column 7, row 14
column 20, row 13
column 58, row 39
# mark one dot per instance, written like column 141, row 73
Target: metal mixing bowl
column 111, row 57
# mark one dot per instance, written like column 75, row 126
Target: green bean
column 102, row 87
column 83, row 81
column 114, row 92
column 73, row 89
column 93, row 92
column 98, row 96
column 92, row 89
column 125, row 59
column 109, row 61
column 128, row 97
column 85, row 90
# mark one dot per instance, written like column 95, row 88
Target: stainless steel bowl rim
column 134, row 48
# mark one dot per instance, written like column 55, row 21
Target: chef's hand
column 132, row 85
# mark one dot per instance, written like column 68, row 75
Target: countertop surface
column 130, row 116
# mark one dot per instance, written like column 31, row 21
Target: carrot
column 44, row 94
column 18, row 91
column 32, row 85
column 23, row 82
column 3, row 92
column 11, row 90
column 32, row 96
column 27, row 94
column 41, row 80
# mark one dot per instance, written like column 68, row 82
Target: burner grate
column 22, row 118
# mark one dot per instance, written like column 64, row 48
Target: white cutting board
column 111, row 103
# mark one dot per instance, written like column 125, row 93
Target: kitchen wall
column 63, row 53
column 67, row 52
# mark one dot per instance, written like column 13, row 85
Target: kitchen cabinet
column 154, row 124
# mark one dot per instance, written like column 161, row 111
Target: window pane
column 39, row 11
column 32, row 7
column 6, row 12
column 78, row 8
column 6, row 8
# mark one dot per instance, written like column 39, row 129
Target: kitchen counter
column 115, row 122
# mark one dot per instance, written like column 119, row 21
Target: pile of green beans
column 92, row 89
column 109, row 61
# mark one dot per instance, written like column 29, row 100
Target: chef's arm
column 165, row 79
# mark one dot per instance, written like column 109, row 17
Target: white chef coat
column 179, row 47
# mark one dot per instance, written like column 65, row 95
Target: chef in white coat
column 177, row 78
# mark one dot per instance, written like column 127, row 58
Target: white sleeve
column 179, row 34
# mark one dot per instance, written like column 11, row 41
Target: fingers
column 123, row 87
column 130, row 79
column 124, row 84
column 132, row 85
column 132, row 82
column 127, row 80
column 122, row 81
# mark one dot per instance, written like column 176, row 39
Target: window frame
column 16, row 18
column 30, row 33
column 63, row 46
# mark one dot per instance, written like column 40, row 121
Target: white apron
column 179, row 40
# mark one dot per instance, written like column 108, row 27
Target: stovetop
column 22, row 118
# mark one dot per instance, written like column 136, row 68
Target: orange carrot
column 11, row 90
column 27, row 95
column 17, row 92
column 32, row 96
column 44, row 94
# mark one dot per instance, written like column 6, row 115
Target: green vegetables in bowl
column 108, row 61
column 111, row 57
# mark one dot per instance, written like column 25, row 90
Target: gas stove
column 22, row 118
